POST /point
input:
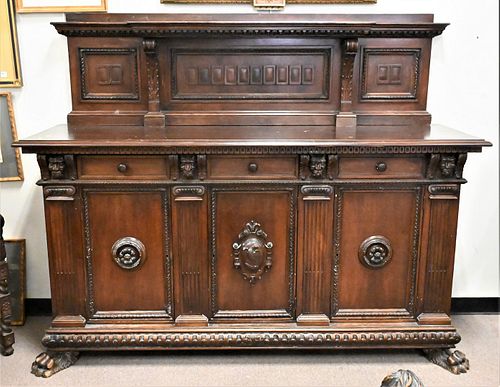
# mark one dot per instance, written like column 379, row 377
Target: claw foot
column 453, row 361
column 402, row 378
column 48, row 363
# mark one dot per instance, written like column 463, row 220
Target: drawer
column 247, row 167
column 381, row 167
column 119, row 167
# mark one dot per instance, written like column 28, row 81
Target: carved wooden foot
column 402, row 378
column 453, row 361
column 48, row 363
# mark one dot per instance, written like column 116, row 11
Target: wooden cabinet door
column 126, row 254
column 376, row 242
column 253, row 253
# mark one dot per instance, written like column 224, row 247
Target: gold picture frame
column 251, row 1
column 10, row 67
column 16, row 263
column 11, row 168
column 25, row 6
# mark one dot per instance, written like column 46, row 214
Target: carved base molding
column 49, row 363
column 453, row 361
column 234, row 338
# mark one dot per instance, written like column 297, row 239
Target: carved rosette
column 375, row 252
column 252, row 252
column 128, row 252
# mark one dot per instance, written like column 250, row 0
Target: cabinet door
column 376, row 240
column 253, row 253
column 127, row 259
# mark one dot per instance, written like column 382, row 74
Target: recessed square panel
column 390, row 74
column 109, row 74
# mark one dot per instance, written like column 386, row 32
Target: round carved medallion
column 128, row 252
column 375, row 251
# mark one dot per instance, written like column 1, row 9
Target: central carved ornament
column 252, row 252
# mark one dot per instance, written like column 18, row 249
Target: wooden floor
column 480, row 341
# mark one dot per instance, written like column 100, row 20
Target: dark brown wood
column 6, row 332
column 250, row 181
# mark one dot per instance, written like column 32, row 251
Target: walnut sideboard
column 250, row 181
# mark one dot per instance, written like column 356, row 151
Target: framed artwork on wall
column 10, row 68
column 28, row 6
column 16, row 262
column 11, row 168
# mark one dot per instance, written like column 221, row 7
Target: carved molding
column 128, row 253
column 415, row 73
column 158, row 30
column 412, row 275
column 87, row 95
column 449, row 191
column 92, row 310
column 291, row 242
column 316, row 190
column 252, row 252
column 327, row 338
column 188, row 190
column 258, row 150
column 59, row 192
column 375, row 252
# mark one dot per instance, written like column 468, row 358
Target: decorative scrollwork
column 252, row 252
column 128, row 252
column 375, row 251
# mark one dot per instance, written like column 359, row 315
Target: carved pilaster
column 346, row 118
column 154, row 117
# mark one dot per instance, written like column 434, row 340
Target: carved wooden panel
column 109, row 74
column 112, row 216
column 390, row 73
column 440, row 252
column 372, row 278
column 65, row 250
column 272, row 295
column 251, row 74
column 315, row 253
column 190, row 249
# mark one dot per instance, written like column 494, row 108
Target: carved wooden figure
column 250, row 181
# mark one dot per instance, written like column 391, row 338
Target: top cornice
column 345, row 26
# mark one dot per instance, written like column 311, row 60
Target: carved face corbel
column 447, row 165
column 317, row 166
column 187, row 166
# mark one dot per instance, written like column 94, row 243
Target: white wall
column 463, row 94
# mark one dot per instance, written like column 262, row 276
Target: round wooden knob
column 252, row 167
column 122, row 167
column 381, row 166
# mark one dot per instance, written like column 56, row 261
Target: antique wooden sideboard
column 250, row 181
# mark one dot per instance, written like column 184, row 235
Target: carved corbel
column 154, row 117
column 57, row 167
column 318, row 166
column 346, row 117
column 446, row 166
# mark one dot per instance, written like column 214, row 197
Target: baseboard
column 43, row 306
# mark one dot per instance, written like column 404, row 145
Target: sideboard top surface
column 216, row 136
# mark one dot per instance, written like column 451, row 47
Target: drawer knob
column 252, row 167
column 122, row 167
column 381, row 166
